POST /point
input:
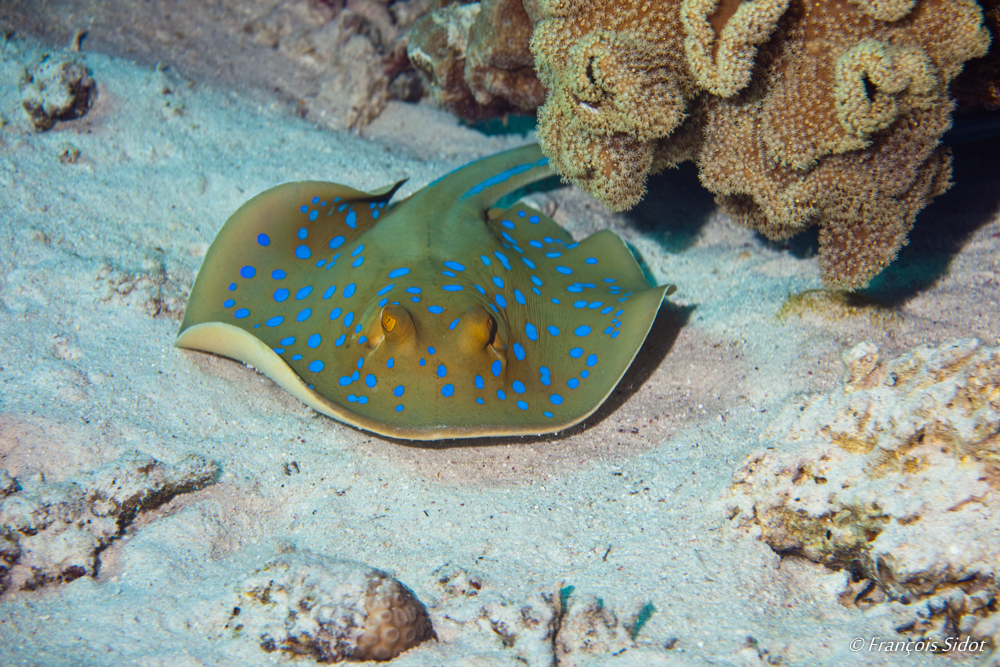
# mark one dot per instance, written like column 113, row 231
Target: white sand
column 96, row 258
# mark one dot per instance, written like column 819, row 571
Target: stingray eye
column 396, row 322
column 492, row 324
column 480, row 328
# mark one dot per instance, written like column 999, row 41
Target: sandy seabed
column 103, row 224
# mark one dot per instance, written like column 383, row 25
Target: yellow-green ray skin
column 548, row 381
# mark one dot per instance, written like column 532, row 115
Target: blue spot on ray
column 248, row 272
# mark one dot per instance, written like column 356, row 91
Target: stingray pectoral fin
column 229, row 341
column 284, row 231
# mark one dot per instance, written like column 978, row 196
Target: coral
column 842, row 130
column 824, row 114
column 52, row 532
column 475, row 58
column 617, row 82
column 894, row 478
column 723, row 63
column 58, row 89
column 329, row 609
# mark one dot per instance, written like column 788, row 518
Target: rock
column 328, row 609
column 894, row 478
column 58, row 89
column 52, row 532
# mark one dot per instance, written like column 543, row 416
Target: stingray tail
column 478, row 185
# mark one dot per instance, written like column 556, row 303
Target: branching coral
column 822, row 114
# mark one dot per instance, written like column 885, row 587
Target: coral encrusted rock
column 52, row 532
column 894, row 477
column 475, row 60
column 328, row 609
column 797, row 113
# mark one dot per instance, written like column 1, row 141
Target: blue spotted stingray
column 437, row 317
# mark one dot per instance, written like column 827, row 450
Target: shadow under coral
column 944, row 227
column 675, row 208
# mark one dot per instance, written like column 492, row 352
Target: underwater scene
column 547, row 333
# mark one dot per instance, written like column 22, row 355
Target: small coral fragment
column 53, row 532
column 330, row 610
column 905, row 452
column 58, row 89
